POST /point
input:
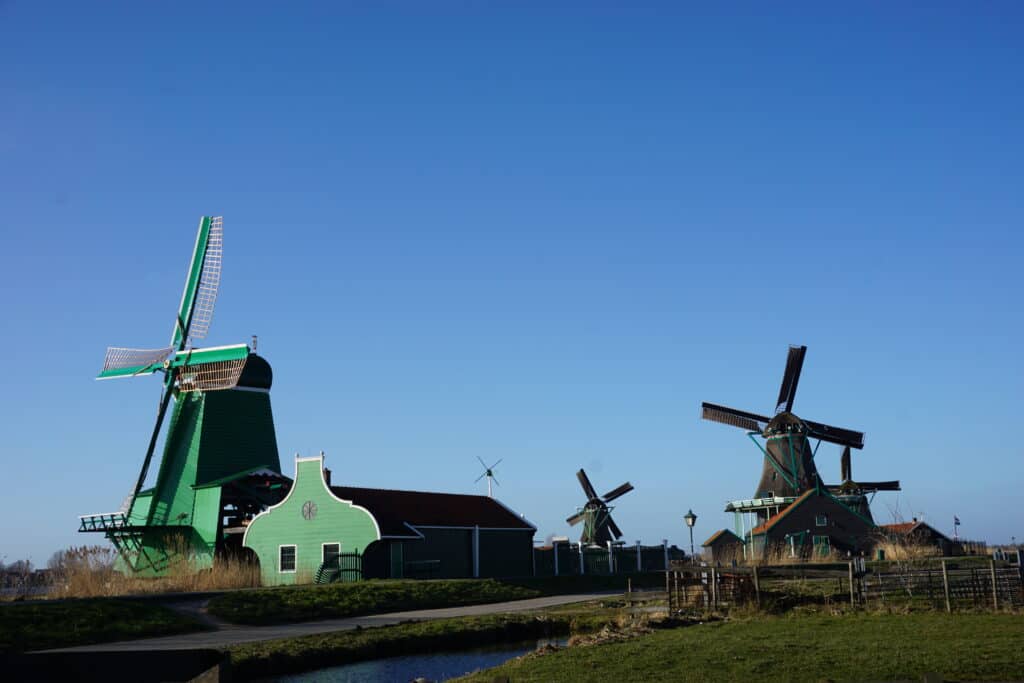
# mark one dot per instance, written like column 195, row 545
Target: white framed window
column 329, row 552
column 821, row 520
column 287, row 557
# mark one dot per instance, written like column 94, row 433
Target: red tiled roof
column 394, row 509
column 775, row 520
column 902, row 528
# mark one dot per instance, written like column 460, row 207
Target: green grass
column 65, row 623
column 852, row 647
column 305, row 603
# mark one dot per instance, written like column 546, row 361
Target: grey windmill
column 598, row 525
column 788, row 469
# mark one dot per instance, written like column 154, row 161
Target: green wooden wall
column 335, row 521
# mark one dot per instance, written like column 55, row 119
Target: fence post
column 629, row 589
column 850, row 567
column 945, row 586
column 581, row 559
column 757, row 588
column 995, row 591
column 639, row 566
column 668, row 592
column 714, row 589
column 675, row 587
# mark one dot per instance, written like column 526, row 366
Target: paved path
column 231, row 635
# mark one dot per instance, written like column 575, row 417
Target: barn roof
column 905, row 528
column 718, row 536
column 397, row 511
column 777, row 518
column 823, row 494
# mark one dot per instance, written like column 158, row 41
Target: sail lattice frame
column 209, row 281
column 122, row 358
column 210, row 376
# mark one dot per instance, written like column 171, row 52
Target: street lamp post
column 690, row 520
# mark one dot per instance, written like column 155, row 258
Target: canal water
column 438, row 666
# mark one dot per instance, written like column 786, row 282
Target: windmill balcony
column 102, row 522
column 752, row 504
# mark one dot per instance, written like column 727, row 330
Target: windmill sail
column 190, row 294
column 123, row 362
column 209, row 281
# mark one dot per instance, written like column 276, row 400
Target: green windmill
column 220, row 463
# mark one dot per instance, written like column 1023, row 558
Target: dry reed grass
column 91, row 571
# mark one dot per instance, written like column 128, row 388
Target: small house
column 388, row 533
column 815, row 525
column 920, row 535
column 723, row 547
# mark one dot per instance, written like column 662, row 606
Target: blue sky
column 542, row 232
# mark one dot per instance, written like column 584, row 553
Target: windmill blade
column 588, row 488
column 577, row 518
column 165, row 401
column 496, row 464
column 210, row 369
column 482, row 463
column 480, row 477
column 614, row 528
column 209, row 281
column 618, row 491
column 879, row 485
column 123, row 362
column 751, row 422
column 790, row 378
column 845, row 465
column 193, row 278
column 836, row 435
column 864, row 486
column 495, row 479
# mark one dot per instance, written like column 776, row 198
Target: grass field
column 42, row 625
column 305, row 603
column 854, row 647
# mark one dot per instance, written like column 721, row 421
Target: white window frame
column 323, row 546
column 821, row 520
column 280, row 569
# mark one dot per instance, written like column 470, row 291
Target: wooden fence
column 942, row 584
column 947, row 585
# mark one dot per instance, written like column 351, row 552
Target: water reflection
column 438, row 666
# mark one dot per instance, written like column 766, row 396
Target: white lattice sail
column 120, row 361
column 209, row 281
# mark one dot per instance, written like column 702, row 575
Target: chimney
column 914, row 519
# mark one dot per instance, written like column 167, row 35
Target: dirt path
column 231, row 634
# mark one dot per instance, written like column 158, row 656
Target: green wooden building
column 396, row 534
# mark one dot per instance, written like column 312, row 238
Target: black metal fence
column 341, row 568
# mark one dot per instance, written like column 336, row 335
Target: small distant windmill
column 598, row 525
column 489, row 473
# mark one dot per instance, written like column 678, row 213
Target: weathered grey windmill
column 598, row 525
column 788, row 468
column 220, row 462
